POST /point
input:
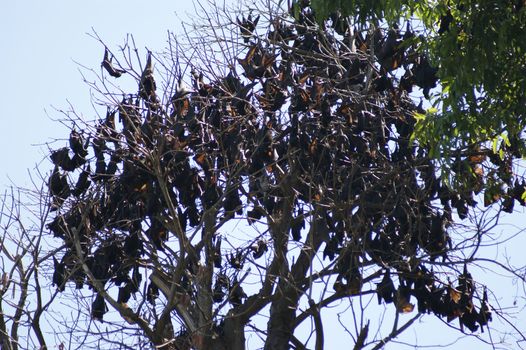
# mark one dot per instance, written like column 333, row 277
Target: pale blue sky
column 40, row 42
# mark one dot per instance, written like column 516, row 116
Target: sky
column 44, row 45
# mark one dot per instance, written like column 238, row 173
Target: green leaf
column 505, row 139
column 432, row 110
column 494, row 144
column 419, row 116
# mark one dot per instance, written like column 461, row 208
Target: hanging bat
column 147, row 84
column 385, row 289
column 59, row 188
column 98, row 308
column 83, row 182
column 247, row 26
column 76, row 143
column 106, row 63
column 59, row 275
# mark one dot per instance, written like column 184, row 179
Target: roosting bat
column 106, row 63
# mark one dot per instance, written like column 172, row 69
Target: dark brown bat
column 247, row 26
column 485, row 311
column 76, row 143
column 59, row 188
column 98, row 308
column 83, row 182
column 61, row 158
column 124, row 294
column 259, row 248
column 106, row 63
column 147, row 84
column 59, row 275
column 236, row 293
column 385, row 289
column 152, row 293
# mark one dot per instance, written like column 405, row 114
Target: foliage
column 479, row 49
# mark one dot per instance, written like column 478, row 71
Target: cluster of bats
column 304, row 119
column 442, row 300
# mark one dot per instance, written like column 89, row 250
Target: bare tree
column 24, row 258
column 269, row 174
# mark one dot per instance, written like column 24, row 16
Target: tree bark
column 283, row 309
column 282, row 315
column 234, row 334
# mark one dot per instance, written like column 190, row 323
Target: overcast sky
column 42, row 44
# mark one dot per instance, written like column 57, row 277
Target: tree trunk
column 232, row 337
column 282, row 314
column 283, row 309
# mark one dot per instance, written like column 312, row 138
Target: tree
column 24, row 256
column 298, row 133
column 479, row 51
